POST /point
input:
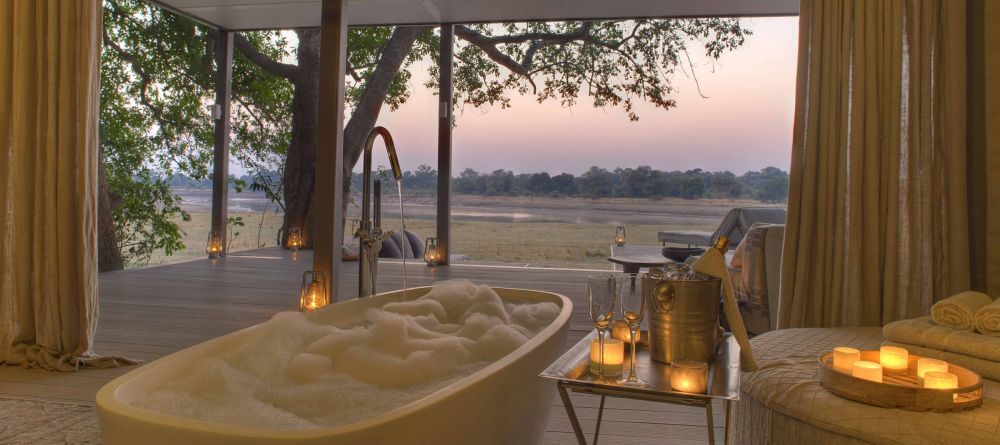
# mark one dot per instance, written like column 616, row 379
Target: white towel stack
column 959, row 311
column 988, row 319
column 962, row 329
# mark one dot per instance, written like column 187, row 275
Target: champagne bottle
column 721, row 244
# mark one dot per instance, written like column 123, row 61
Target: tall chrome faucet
column 370, row 231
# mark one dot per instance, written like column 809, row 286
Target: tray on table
column 723, row 373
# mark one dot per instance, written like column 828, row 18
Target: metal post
column 446, row 96
column 571, row 413
column 220, row 163
column 711, row 426
column 328, row 226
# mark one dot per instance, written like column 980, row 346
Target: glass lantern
column 620, row 236
column 431, row 254
column 214, row 245
column 294, row 238
column 313, row 294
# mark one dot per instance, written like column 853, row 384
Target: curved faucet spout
column 389, row 146
column 370, row 233
column 366, row 174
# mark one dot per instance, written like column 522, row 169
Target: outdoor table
column 632, row 258
column 572, row 372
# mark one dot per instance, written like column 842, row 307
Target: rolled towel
column 988, row 319
column 922, row 332
column 959, row 311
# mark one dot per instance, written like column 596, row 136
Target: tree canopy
column 158, row 81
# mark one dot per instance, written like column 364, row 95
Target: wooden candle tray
column 904, row 391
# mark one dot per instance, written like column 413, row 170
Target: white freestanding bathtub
column 504, row 403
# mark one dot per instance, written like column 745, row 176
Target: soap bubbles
column 294, row 373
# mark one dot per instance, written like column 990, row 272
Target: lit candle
column 431, row 254
column 927, row 364
column 312, row 296
column 614, row 357
column 940, row 380
column 844, row 358
column 688, row 376
column 894, row 360
column 863, row 369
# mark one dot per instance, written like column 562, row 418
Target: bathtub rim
column 107, row 402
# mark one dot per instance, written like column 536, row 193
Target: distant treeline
column 768, row 185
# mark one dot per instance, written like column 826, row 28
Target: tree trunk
column 300, row 163
column 300, row 160
column 109, row 256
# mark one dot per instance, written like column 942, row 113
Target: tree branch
column 271, row 66
column 143, row 75
column 538, row 40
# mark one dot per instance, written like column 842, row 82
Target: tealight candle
column 927, row 364
column 844, row 358
column 863, row 369
column 940, row 380
column 893, row 359
column 688, row 376
column 614, row 357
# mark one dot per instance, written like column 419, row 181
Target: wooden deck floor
column 148, row 313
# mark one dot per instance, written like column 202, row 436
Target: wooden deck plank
column 151, row 312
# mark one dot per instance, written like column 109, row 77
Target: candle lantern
column 614, row 357
column 313, row 294
column 927, row 364
column 844, row 358
column 689, row 376
column 894, row 360
column 295, row 241
column 940, row 380
column 863, row 369
column 432, row 253
column 214, row 245
column 620, row 236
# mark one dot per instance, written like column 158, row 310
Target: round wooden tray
column 904, row 391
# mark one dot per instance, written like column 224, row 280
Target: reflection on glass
column 633, row 308
column 602, row 291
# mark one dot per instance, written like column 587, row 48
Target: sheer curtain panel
column 877, row 221
column 49, row 92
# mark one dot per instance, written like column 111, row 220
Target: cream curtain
column 877, row 224
column 49, row 92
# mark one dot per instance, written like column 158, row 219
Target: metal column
column 220, row 163
column 445, row 125
column 328, row 226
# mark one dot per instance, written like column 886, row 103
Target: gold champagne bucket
column 683, row 318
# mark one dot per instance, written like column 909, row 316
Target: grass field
column 542, row 244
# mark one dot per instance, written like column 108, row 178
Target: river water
column 646, row 212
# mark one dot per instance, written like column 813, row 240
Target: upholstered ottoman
column 783, row 403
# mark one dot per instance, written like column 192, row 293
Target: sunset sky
column 745, row 124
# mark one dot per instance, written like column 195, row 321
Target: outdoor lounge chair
column 734, row 225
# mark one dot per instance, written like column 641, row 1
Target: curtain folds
column 49, row 92
column 877, row 220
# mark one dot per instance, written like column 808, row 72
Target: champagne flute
column 603, row 290
column 633, row 307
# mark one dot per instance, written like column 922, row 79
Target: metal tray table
column 571, row 372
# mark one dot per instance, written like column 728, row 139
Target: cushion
column 784, row 396
column 416, row 243
column 754, row 269
column 390, row 248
